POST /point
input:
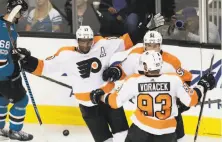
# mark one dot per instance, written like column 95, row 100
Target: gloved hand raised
column 207, row 81
column 155, row 21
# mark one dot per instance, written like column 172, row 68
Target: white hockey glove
column 155, row 21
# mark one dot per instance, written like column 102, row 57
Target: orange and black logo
column 85, row 67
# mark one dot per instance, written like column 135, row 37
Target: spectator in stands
column 118, row 16
column 44, row 18
column 85, row 13
column 190, row 27
column 147, row 7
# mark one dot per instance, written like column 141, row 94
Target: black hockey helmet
column 13, row 3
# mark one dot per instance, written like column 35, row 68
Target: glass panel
column 87, row 15
column 3, row 4
column 184, row 25
column 116, row 17
column 46, row 16
column 214, row 25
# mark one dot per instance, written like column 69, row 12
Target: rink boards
column 56, row 107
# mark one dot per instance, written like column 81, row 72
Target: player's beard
column 84, row 51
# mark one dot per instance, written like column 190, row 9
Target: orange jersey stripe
column 169, row 58
column 97, row 38
column 112, row 100
column 127, row 41
column 138, row 50
column 157, row 124
column 187, row 76
column 70, row 48
column 126, row 38
column 194, row 97
column 86, row 96
column 39, row 68
column 175, row 62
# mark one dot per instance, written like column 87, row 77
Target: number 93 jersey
column 6, row 63
column 155, row 100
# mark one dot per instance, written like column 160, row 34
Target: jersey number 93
column 146, row 103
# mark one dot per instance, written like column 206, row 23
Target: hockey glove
column 207, row 81
column 20, row 54
column 155, row 22
column 112, row 74
column 95, row 96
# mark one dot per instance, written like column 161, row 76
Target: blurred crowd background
column 116, row 17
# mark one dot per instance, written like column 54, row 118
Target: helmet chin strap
column 13, row 13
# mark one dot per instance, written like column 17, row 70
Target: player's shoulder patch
column 138, row 50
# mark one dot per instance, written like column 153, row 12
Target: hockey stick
column 8, row 25
column 59, row 83
column 202, row 104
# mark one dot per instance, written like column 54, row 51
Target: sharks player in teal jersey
column 11, row 88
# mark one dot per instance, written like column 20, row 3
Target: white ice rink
column 53, row 133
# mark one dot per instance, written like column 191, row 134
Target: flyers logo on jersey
column 85, row 67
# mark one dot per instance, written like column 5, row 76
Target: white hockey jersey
column 171, row 64
column 155, row 100
column 85, row 69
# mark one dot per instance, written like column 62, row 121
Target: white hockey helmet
column 152, row 37
column 84, row 32
column 151, row 61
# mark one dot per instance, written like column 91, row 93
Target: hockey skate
column 20, row 135
column 4, row 134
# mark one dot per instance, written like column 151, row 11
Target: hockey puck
column 66, row 132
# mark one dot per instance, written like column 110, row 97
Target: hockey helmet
column 152, row 37
column 151, row 61
column 84, row 32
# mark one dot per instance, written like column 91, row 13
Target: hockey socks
column 17, row 114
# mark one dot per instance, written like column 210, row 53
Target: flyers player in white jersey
column 171, row 64
column 85, row 64
column 156, row 93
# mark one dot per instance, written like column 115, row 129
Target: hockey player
column 156, row 93
column 171, row 64
column 85, row 65
column 11, row 88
